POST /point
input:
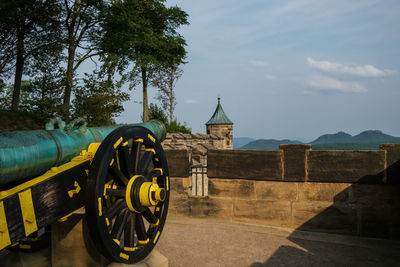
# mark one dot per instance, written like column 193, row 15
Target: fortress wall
column 344, row 192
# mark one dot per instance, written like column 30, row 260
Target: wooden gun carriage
column 118, row 174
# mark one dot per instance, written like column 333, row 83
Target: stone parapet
column 342, row 208
column 299, row 163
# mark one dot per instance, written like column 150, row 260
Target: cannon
column 118, row 174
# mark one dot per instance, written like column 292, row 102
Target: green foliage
column 19, row 120
column 29, row 30
column 99, row 100
column 144, row 32
column 158, row 113
column 43, row 94
column 5, row 95
column 80, row 36
column 134, row 35
column 176, row 127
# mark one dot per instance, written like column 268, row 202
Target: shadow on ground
column 375, row 214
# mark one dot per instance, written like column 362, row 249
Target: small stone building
column 220, row 125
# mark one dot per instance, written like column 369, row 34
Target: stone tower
column 221, row 125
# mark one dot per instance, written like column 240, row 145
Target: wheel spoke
column 135, row 156
column 118, row 192
column 115, row 208
column 116, row 173
column 129, row 231
column 145, row 162
column 154, row 173
column 119, row 224
column 149, row 216
column 140, row 229
column 125, row 160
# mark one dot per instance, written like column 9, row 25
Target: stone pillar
column 392, row 168
column 295, row 162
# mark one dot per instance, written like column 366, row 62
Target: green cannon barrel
column 25, row 154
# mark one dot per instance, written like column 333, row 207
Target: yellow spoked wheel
column 127, row 194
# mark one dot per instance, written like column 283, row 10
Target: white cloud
column 327, row 83
column 351, row 69
column 191, row 101
column 269, row 77
column 257, row 63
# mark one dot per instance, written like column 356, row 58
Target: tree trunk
column 18, row 73
column 69, row 80
column 146, row 115
column 171, row 96
column 171, row 103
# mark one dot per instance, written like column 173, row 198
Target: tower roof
column 219, row 116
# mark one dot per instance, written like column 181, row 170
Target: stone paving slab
column 209, row 242
column 204, row 242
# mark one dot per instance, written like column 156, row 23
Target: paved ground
column 201, row 242
column 190, row 242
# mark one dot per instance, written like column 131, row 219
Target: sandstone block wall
column 345, row 192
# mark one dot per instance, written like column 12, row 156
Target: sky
column 289, row 69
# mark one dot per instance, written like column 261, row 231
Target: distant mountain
column 375, row 136
column 367, row 140
column 269, row 144
column 340, row 137
column 241, row 141
column 366, row 137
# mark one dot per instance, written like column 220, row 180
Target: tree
column 5, row 95
column 99, row 99
column 144, row 32
column 28, row 29
column 7, row 51
column 81, row 20
column 165, row 80
column 44, row 94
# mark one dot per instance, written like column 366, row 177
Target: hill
column 375, row 137
column 340, row 137
column 367, row 140
column 367, row 137
column 241, row 141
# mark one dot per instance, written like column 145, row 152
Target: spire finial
column 219, row 98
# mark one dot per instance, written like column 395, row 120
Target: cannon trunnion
column 122, row 183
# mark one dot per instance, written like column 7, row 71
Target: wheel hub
column 140, row 193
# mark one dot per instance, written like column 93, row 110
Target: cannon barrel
column 25, row 154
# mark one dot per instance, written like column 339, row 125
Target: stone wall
column 344, row 192
column 196, row 145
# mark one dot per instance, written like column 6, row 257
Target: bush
column 176, row 127
column 157, row 113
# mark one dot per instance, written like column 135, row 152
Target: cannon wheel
column 127, row 194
